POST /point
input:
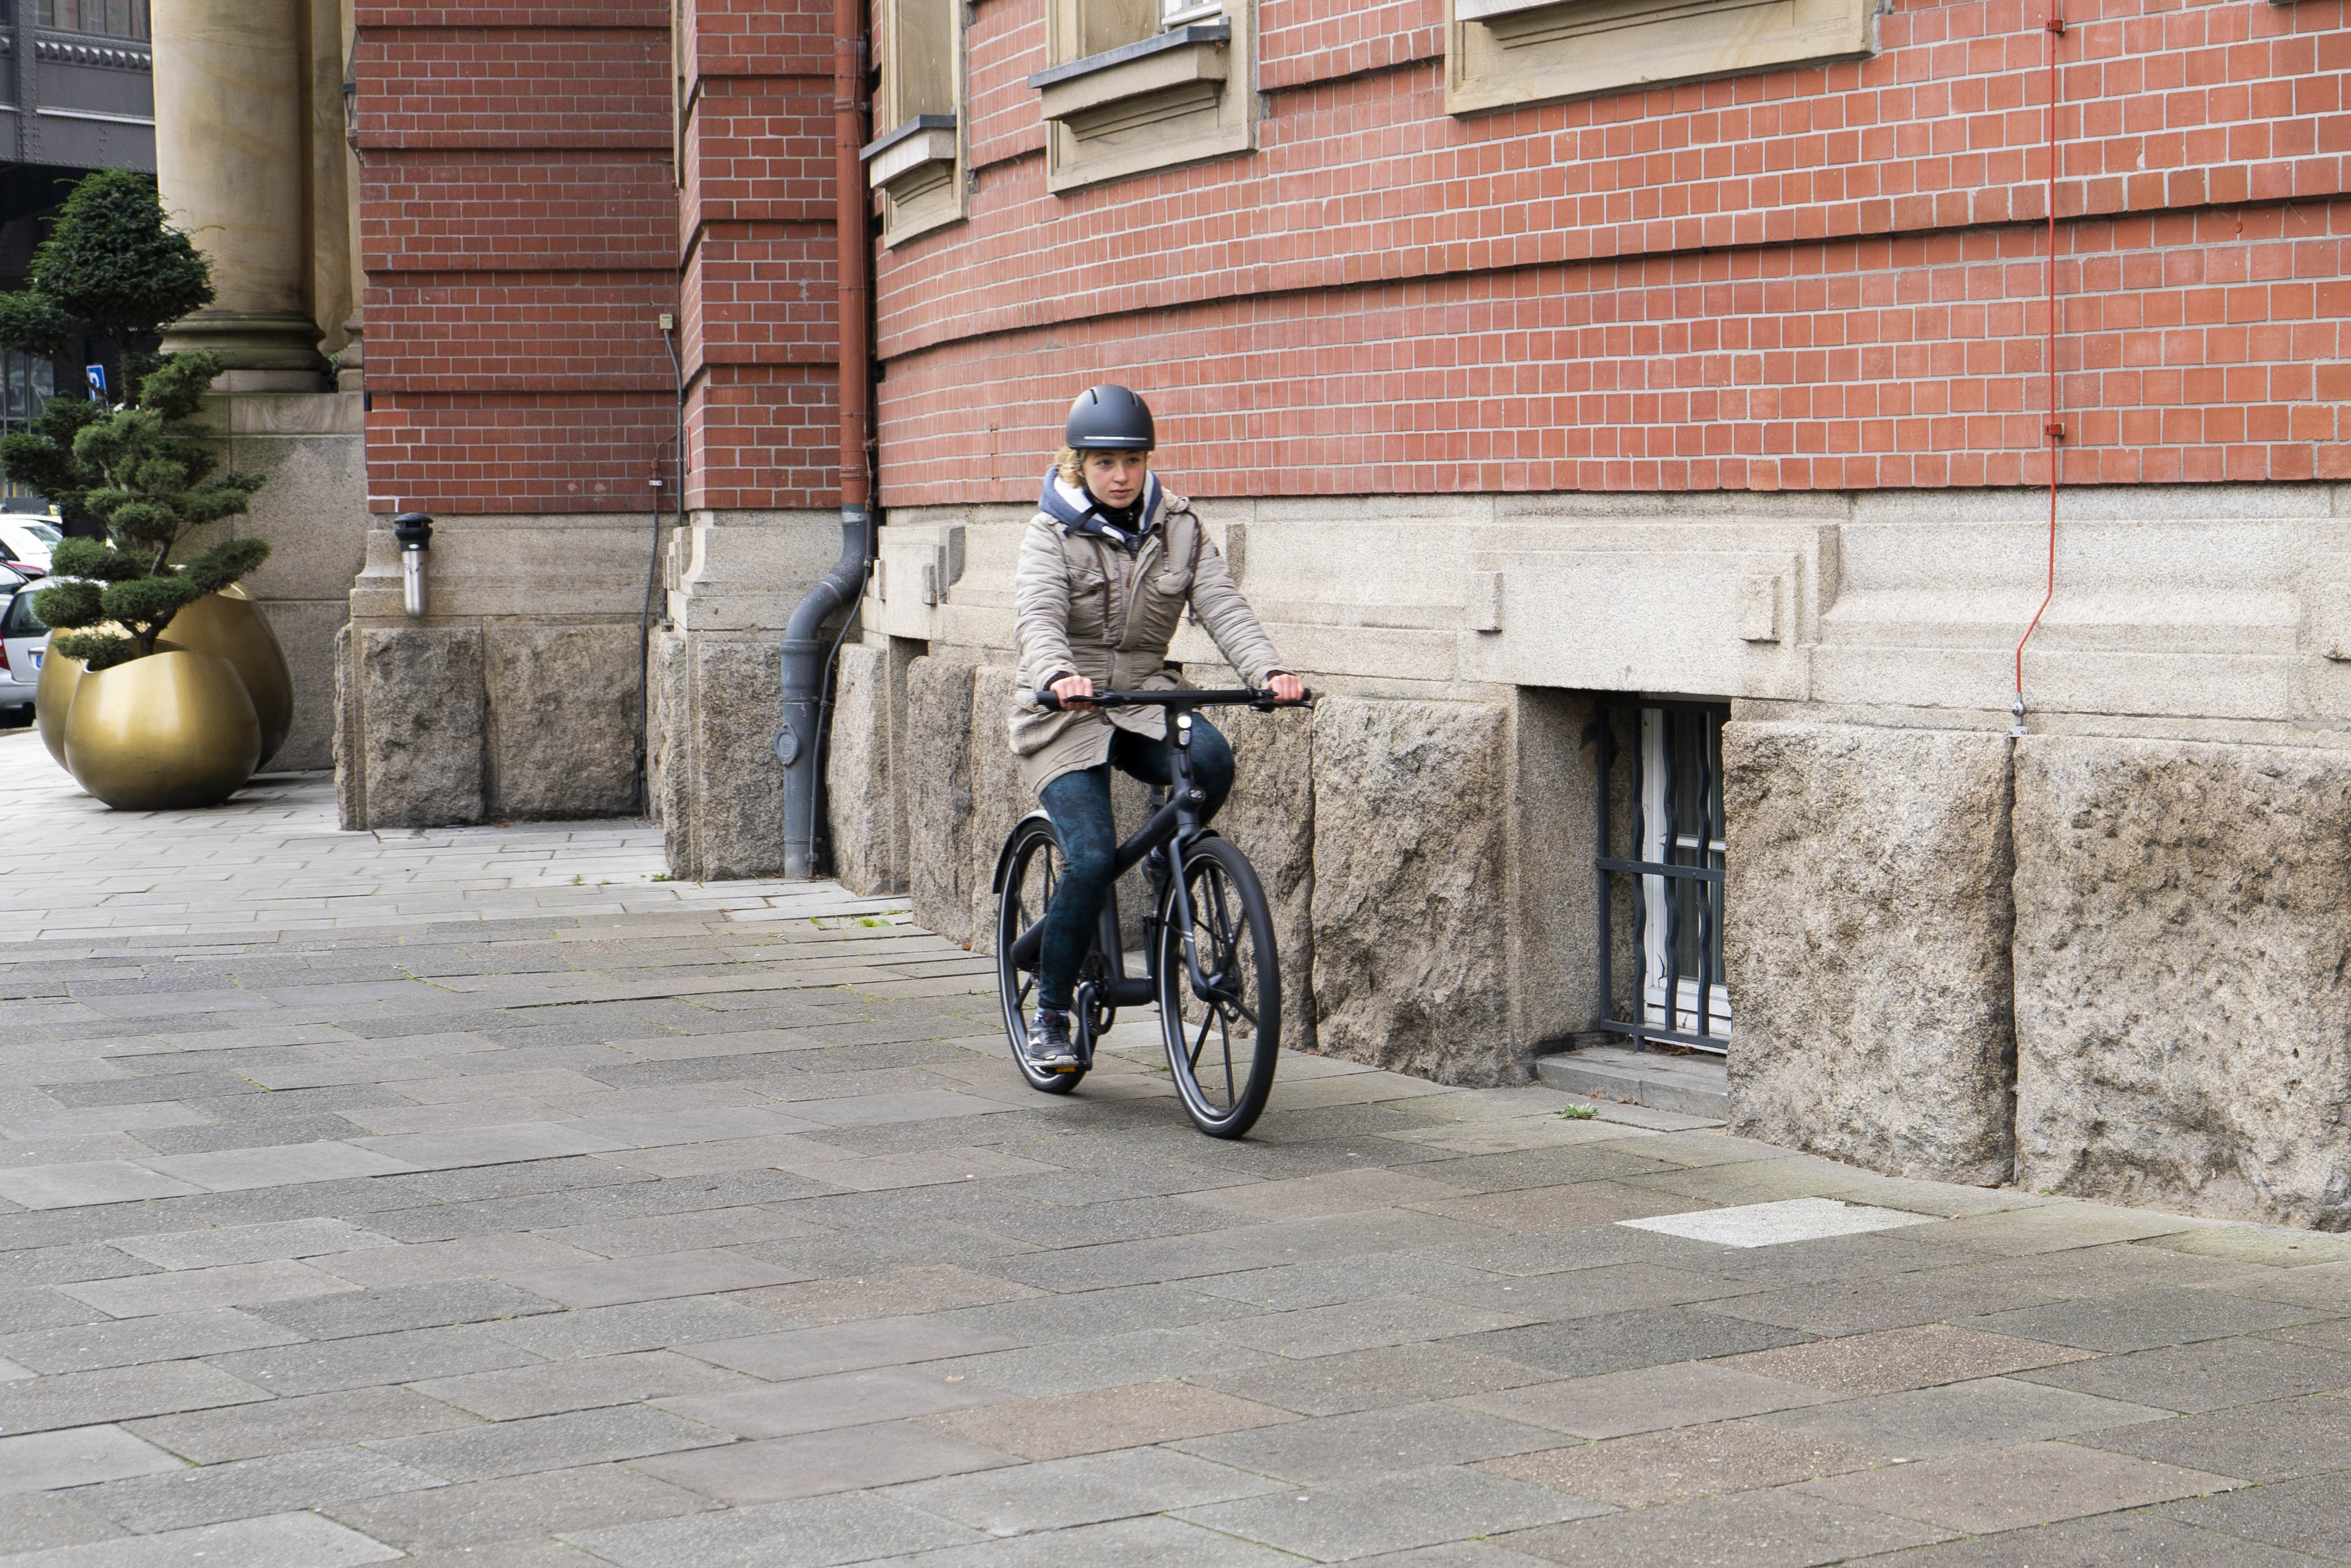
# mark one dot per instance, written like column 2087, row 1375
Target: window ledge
column 925, row 139
column 1177, row 58
column 1505, row 53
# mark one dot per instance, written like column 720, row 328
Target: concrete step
column 1691, row 1085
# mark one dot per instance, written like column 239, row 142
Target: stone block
column 861, row 801
column 665, row 738
column 564, row 729
column 1410, row 961
column 997, row 799
column 729, row 800
column 420, row 710
column 1866, row 921
column 307, row 630
column 2181, row 1004
column 1270, row 815
column 939, row 795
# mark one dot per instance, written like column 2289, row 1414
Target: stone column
column 232, row 147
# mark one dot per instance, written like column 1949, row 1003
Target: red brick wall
column 1829, row 277
column 523, row 226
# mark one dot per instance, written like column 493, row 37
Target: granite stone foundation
column 939, row 795
column 2183, row 1014
column 1410, row 961
column 1867, row 919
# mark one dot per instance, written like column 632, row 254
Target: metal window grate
column 1677, row 880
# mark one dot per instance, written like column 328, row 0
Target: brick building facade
column 1635, row 417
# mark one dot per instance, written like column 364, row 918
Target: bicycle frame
column 1176, row 825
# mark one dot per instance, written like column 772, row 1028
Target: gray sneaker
column 1048, row 1048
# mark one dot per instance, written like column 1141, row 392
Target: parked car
column 27, row 540
column 24, row 643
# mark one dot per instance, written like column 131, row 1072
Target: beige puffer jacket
column 1085, row 606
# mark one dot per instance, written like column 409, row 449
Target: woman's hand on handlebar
column 1073, row 691
column 1285, row 687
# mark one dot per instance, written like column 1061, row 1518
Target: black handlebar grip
column 1048, row 701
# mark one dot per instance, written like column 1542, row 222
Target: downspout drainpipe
column 805, row 653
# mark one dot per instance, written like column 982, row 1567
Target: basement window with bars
column 1675, row 878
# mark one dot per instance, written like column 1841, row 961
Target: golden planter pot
column 230, row 625
column 163, row 732
column 53, row 699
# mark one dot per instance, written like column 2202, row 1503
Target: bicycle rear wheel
column 1221, row 1049
column 1032, row 871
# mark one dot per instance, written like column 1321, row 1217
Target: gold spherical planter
column 53, row 700
column 163, row 732
column 230, row 625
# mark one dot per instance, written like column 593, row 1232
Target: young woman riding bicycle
column 1110, row 564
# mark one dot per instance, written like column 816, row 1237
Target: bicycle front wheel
column 1221, row 1047
column 1032, row 871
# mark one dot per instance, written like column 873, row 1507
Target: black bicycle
column 1208, row 948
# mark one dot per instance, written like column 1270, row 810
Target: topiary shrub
column 143, row 470
column 148, row 474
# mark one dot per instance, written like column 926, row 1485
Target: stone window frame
column 1503, row 54
column 1132, row 87
column 918, row 159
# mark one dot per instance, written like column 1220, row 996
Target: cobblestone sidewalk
column 478, row 1197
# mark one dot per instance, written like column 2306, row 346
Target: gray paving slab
column 1088, row 1489
column 81, row 1456
column 1928, row 1421
column 183, row 1497
column 852, row 1459
column 1769, row 1529
column 171, row 1337
column 306, row 1421
column 1619, row 1342
column 2110, row 1541
column 814, row 1532
column 845, row 1399
column 2143, row 1320
column 352, row 1313
column 1645, row 1399
column 119, row 1393
column 846, row 1347
column 1155, row 1543
column 1395, row 1513
column 2207, row 1376
column 215, row 1245
column 38, row 1522
column 1339, row 1449
column 553, row 1387
column 280, row 1541
column 640, row 1325
column 482, row 1521
column 566, row 1441
column 368, row 1360
column 2269, row 1442
column 1366, row 1379
column 2312, row 1514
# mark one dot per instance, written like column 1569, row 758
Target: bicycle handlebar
column 1241, row 698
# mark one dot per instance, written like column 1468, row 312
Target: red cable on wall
column 2053, row 428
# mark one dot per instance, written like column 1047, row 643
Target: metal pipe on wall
column 805, row 653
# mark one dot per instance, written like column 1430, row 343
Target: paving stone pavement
column 478, row 1197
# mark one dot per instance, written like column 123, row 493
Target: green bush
column 145, row 471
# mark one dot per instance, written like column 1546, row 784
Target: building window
column 917, row 157
column 1676, row 876
column 1500, row 53
column 26, row 386
column 1137, row 84
column 107, row 18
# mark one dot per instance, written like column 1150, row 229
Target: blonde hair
column 1071, row 464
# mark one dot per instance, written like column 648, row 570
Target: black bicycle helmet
column 1110, row 419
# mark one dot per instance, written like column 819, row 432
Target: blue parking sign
column 97, row 374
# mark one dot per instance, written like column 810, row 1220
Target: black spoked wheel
column 1031, row 877
column 1221, row 1047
